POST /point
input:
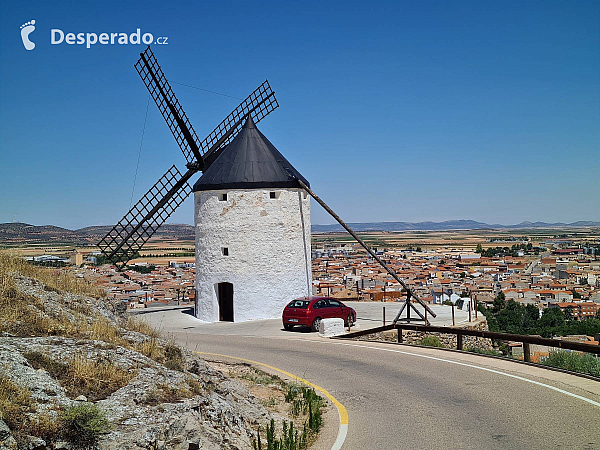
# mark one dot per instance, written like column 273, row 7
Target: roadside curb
column 343, row 414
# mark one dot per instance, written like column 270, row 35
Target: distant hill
column 446, row 225
column 15, row 233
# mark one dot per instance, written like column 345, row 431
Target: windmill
column 127, row 237
column 249, row 196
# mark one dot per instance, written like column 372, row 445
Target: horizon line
column 523, row 222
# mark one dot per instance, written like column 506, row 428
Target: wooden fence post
column 526, row 352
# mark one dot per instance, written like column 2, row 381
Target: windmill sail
column 258, row 104
column 128, row 236
column 168, row 105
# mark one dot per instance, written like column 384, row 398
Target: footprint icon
column 26, row 30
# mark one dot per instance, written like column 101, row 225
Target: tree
column 142, row 269
column 511, row 318
column 479, row 249
column 576, row 295
column 531, row 317
column 551, row 322
column 569, row 313
column 499, row 303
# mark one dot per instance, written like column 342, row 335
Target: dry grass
column 195, row 386
column 15, row 406
column 15, row 403
column 44, row 426
column 173, row 394
column 140, row 326
column 103, row 330
column 169, row 355
column 96, row 380
column 152, row 349
column 83, row 376
column 23, row 315
column 54, row 279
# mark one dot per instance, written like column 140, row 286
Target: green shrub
column 483, row 351
column 303, row 400
column 291, row 438
column 260, row 377
column 83, row 424
column 576, row 362
column 431, row 341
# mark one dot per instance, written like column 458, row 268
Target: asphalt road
column 399, row 396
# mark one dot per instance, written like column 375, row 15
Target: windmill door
column 225, row 293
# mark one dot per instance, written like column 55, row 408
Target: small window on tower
column 273, row 194
column 223, row 197
column 225, row 251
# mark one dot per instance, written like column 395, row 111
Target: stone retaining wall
column 447, row 340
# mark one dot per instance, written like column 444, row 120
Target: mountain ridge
column 14, row 232
column 447, row 225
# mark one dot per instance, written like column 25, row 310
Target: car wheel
column 287, row 326
column 315, row 325
column 350, row 320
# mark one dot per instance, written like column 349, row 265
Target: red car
column 309, row 311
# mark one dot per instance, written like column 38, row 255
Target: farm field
column 160, row 249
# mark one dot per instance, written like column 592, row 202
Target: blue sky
column 394, row 111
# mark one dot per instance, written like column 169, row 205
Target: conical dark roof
column 250, row 161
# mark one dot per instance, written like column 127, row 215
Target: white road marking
column 341, row 437
column 562, row 391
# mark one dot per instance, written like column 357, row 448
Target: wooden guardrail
column 527, row 340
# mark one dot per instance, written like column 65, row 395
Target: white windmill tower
column 252, row 232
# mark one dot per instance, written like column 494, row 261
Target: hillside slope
column 67, row 354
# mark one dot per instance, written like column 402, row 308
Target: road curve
column 407, row 397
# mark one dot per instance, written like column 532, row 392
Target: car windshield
column 299, row 304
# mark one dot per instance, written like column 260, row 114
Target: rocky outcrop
column 181, row 405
